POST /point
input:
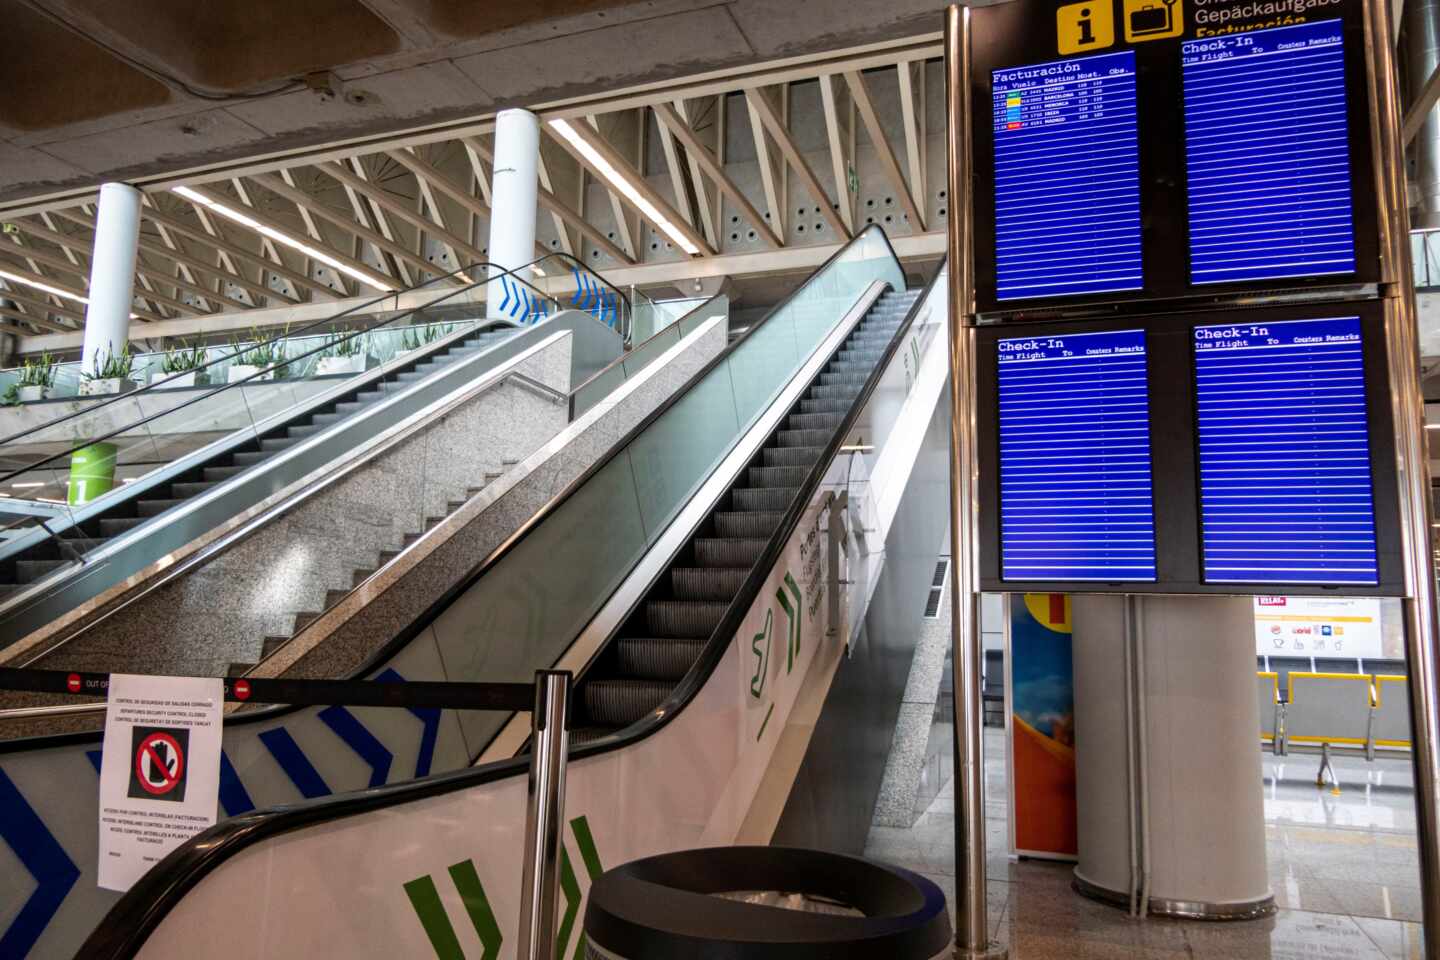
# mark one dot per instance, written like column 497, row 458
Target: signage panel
column 1285, row 486
column 1267, row 154
column 1075, row 493
column 1067, row 178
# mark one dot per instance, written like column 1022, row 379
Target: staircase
column 20, row 570
column 659, row 644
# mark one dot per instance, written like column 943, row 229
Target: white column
column 112, row 272
column 1199, row 793
column 514, row 190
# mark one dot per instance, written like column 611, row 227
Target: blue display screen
column 1075, row 491
column 1067, row 178
column 1285, row 484
column 1268, row 154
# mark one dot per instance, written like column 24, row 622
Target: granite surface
column 351, row 632
column 221, row 611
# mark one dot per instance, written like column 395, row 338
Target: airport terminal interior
column 721, row 479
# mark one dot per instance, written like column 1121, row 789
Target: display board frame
column 1174, row 451
column 1023, row 33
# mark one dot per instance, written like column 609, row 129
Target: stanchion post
column 1413, row 459
column 544, row 814
column 972, row 929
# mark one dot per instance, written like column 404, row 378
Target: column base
column 1178, row 909
column 992, row 952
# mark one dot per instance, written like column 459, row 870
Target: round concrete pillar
column 1184, row 824
column 112, row 273
column 514, row 193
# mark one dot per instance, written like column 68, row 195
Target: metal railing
column 548, row 700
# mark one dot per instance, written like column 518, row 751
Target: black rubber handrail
column 124, row 930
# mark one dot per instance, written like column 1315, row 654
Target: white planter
column 239, row 371
column 31, row 394
column 330, row 366
column 164, row 381
column 99, row 388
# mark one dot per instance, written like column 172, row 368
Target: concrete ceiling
column 128, row 89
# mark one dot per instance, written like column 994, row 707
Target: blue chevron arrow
column 505, row 284
column 362, row 741
column 575, row 300
column 526, row 295
column 296, row 765
column 589, row 303
column 429, row 716
column 40, row 853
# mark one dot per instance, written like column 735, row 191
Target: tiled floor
column 1343, row 869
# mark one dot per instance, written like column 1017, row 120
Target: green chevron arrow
column 570, row 888
column 792, row 613
column 426, row 901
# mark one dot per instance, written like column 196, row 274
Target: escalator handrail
column 287, row 333
column 403, row 637
column 126, row 927
column 288, row 361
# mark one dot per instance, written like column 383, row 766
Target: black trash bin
column 764, row 903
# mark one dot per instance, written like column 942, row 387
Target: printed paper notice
column 160, row 770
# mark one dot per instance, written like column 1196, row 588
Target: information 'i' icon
column 1081, row 27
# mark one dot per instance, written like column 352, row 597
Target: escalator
column 662, row 641
column 693, row 577
column 81, row 558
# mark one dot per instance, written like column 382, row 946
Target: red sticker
column 242, row 689
column 72, row 683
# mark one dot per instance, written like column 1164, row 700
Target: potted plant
column 346, row 355
column 264, row 354
column 37, row 379
column 409, row 342
column 184, row 360
column 109, row 373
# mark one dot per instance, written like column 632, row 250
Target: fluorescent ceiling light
column 623, row 184
column 24, row 486
column 230, row 213
column 16, row 278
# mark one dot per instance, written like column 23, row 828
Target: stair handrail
column 259, row 373
column 288, row 332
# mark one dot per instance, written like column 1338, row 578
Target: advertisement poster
column 1042, row 726
column 159, row 770
column 1320, row 627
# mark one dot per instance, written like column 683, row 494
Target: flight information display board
column 1075, row 484
column 1286, row 490
column 1067, row 178
column 1225, row 451
column 1164, row 151
column 1267, row 154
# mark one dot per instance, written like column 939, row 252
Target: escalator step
column 707, row 583
column 791, row 456
column 777, row 476
column 333, row 597
column 715, row 552
column 346, row 407
column 153, row 508
column 824, row 406
column 653, row 658
column 271, row 644
column 814, row 421
column 251, row 457
column 277, row 443
column 758, row 524
column 803, row 438
column 239, row 669
column 695, row 619
column 220, row 474
column 325, row 419
column 857, row 379
column 619, row 703
column 305, row 429
column 589, row 734
column 187, row 490
column 360, row 577
column 28, row 571
column 851, row 367
column 114, row 526
column 303, row 620
column 771, row 498
column 840, row 391
column 868, row 357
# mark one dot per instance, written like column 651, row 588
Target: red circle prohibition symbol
column 242, row 689
column 172, row 778
column 72, row 683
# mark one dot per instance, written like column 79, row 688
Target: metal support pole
column 1402, row 338
column 972, row 930
column 544, row 814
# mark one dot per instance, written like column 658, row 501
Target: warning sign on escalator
column 159, row 770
